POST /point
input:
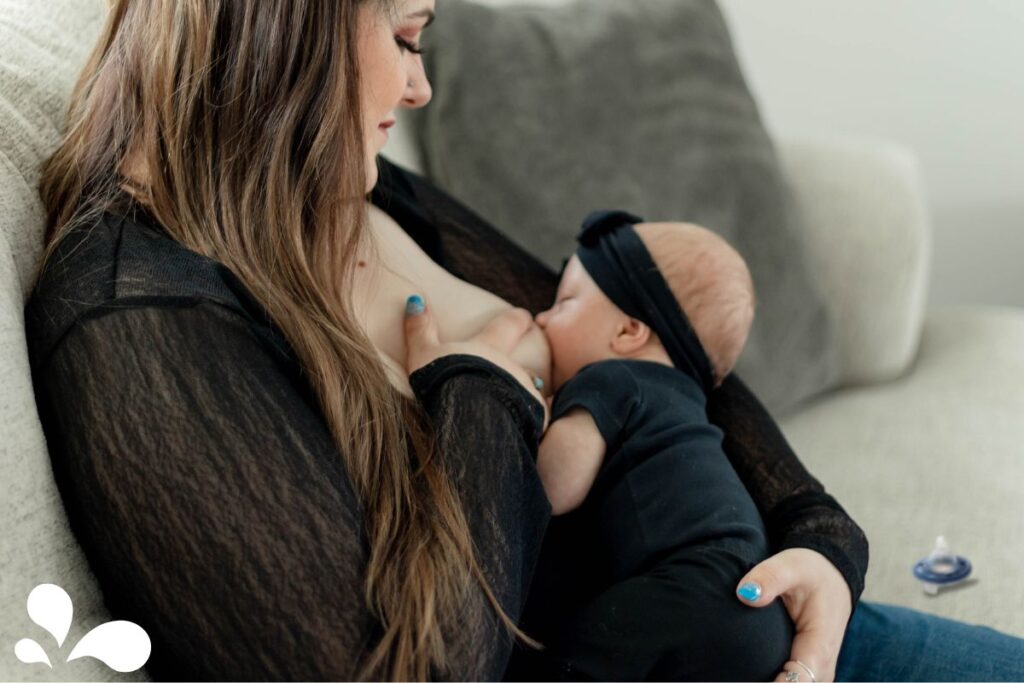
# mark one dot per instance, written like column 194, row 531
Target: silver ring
column 792, row 676
column 808, row 670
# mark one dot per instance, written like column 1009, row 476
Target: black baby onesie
column 670, row 531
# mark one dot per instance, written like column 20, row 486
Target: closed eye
column 406, row 45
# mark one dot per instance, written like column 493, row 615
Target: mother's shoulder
column 123, row 260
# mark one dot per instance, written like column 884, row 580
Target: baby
column 648, row 320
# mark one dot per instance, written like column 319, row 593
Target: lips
column 387, row 124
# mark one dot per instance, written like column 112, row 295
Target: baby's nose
column 540, row 318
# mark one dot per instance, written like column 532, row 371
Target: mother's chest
column 393, row 267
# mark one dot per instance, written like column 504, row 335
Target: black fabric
column 649, row 627
column 618, row 261
column 211, row 503
column 669, row 530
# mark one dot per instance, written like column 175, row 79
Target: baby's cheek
column 564, row 357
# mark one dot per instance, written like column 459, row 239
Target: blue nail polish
column 539, row 383
column 749, row 592
column 414, row 305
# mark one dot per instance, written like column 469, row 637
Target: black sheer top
column 202, row 483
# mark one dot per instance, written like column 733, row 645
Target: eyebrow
column 423, row 13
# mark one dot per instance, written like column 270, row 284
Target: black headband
column 617, row 260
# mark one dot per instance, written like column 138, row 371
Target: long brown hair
column 246, row 118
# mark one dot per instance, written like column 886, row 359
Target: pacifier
column 941, row 568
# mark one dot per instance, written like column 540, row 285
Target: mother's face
column 391, row 70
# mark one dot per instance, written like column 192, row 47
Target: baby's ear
column 632, row 336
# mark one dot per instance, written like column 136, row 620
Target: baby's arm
column 568, row 459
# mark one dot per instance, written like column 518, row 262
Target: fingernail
column 539, row 383
column 749, row 592
column 414, row 305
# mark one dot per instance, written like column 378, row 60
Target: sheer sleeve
column 797, row 510
column 216, row 511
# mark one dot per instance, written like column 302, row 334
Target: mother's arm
column 811, row 533
column 216, row 512
column 797, row 511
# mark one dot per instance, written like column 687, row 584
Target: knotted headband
column 617, row 260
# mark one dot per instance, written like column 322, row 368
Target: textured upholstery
column 866, row 232
column 44, row 47
column 935, row 452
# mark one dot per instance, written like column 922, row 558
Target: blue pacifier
column 941, row 568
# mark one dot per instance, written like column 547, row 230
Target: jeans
column 889, row 643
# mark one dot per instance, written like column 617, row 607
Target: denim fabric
column 889, row 643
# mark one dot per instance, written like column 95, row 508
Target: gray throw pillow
column 543, row 114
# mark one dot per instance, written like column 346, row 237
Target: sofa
column 923, row 437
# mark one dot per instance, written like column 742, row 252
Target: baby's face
column 581, row 324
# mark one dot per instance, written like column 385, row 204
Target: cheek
column 381, row 71
column 385, row 84
column 561, row 337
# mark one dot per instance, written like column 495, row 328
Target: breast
column 393, row 267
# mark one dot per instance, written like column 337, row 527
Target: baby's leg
column 680, row 621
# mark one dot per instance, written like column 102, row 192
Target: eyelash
column 406, row 45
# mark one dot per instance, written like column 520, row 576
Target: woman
column 271, row 468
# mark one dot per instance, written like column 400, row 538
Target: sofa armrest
column 868, row 239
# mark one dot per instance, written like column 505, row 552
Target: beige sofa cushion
column 867, row 234
column 935, row 452
column 44, row 47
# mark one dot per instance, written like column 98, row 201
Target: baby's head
column 708, row 279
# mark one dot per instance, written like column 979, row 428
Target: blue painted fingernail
column 749, row 592
column 539, row 383
column 414, row 305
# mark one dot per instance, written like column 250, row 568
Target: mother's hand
column 494, row 343
column 817, row 599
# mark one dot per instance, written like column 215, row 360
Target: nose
column 420, row 92
column 541, row 318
